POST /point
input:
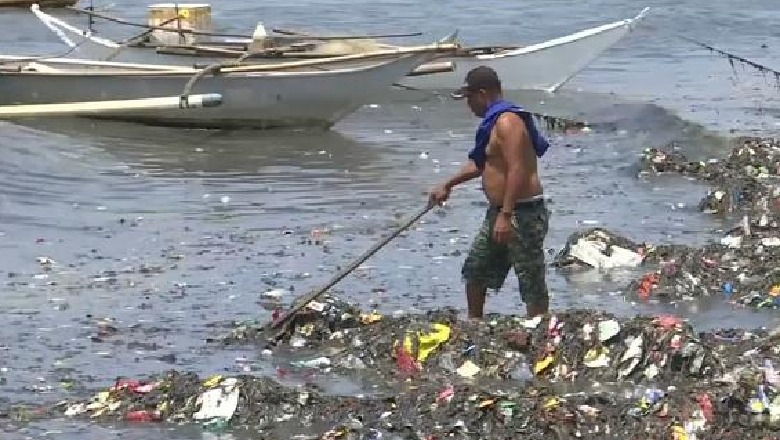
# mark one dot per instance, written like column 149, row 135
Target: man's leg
column 475, row 297
column 527, row 254
column 485, row 267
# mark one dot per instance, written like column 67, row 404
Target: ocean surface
column 168, row 234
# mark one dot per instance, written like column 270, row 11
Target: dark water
column 171, row 232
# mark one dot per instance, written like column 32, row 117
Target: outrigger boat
column 547, row 65
column 307, row 93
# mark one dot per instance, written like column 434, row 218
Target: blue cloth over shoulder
column 479, row 154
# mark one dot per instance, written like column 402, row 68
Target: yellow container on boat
column 192, row 16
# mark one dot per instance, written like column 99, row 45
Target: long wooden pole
column 289, row 33
column 437, row 48
column 91, row 107
column 306, row 299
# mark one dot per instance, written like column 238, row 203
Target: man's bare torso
column 494, row 173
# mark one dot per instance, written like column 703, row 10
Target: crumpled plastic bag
column 426, row 343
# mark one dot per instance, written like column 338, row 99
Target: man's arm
column 467, row 172
column 512, row 135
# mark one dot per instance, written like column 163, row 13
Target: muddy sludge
column 742, row 266
column 575, row 374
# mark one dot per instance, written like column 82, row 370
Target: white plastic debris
column 468, row 369
column 321, row 361
column 634, row 352
column 274, row 293
column 594, row 253
column 608, row 330
column 532, row 323
column 219, row 402
column 770, row 241
column 731, row 241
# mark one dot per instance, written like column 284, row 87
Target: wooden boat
column 44, row 3
column 547, row 66
column 543, row 66
column 308, row 93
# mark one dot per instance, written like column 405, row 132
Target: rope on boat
column 135, row 39
column 210, row 69
column 43, row 57
column 732, row 57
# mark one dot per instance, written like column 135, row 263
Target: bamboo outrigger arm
column 92, row 107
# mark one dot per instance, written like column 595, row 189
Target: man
column 515, row 225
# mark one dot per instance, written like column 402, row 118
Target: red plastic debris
column 706, row 406
column 668, row 322
column 134, row 386
column 405, row 362
column 143, row 416
column 445, row 395
column 648, row 283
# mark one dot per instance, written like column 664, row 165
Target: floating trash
column 587, row 375
column 742, row 266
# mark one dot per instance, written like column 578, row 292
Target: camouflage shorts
column 488, row 262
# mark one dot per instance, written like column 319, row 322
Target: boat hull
column 544, row 66
column 249, row 100
column 540, row 67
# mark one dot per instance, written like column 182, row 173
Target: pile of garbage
column 746, row 180
column 571, row 346
column 600, row 248
column 575, row 374
column 752, row 157
column 742, row 266
column 661, row 161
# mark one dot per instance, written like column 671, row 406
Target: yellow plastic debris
column 213, row 381
column 551, row 403
column 163, row 406
column 307, row 329
column 370, row 318
column 428, row 341
column 485, row 403
column 543, row 364
column 597, row 357
column 679, row 433
column 756, row 405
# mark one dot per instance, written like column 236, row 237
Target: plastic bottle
column 523, row 372
column 770, row 375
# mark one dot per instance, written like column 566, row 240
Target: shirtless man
column 515, row 225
